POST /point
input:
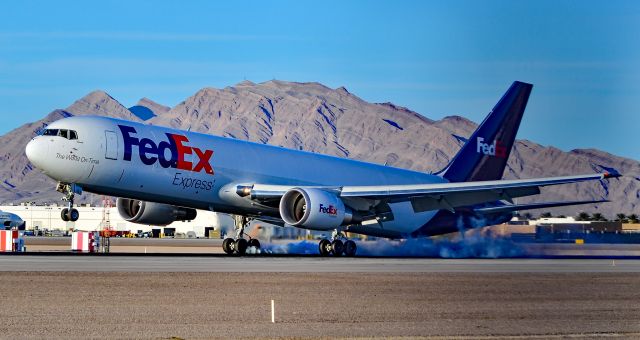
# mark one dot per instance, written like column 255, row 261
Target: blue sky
column 437, row 58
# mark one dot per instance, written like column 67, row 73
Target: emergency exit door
column 111, row 151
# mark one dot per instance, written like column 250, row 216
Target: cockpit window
column 50, row 132
column 63, row 133
column 68, row 134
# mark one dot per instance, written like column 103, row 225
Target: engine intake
column 314, row 209
column 152, row 213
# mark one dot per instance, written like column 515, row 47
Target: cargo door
column 111, row 151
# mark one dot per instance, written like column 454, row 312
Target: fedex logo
column 494, row 149
column 178, row 148
column 330, row 210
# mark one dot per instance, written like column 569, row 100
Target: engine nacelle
column 314, row 209
column 152, row 213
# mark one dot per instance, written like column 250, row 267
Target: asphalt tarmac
column 478, row 303
column 160, row 296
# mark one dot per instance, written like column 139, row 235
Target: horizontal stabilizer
column 531, row 206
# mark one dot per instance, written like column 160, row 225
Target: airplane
column 162, row 175
column 11, row 221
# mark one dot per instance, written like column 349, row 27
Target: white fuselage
column 158, row 164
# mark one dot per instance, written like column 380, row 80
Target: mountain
column 316, row 118
column 313, row 117
column 100, row 103
column 146, row 109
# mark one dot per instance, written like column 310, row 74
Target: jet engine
column 152, row 213
column 314, row 209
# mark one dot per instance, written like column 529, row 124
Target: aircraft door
column 111, row 150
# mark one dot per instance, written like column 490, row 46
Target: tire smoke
column 463, row 246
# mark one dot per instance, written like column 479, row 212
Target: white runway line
column 273, row 312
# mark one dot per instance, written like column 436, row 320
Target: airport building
column 566, row 229
column 46, row 218
column 92, row 218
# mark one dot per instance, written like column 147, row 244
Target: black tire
column 337, row 247
column 64, row 214
column 324, row 247
column 73, row 215
column 228, row 245
column 241, row 246
column 350, row 248
column 254, row 243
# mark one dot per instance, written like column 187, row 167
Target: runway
column 308, row 264
column 220, row 296
column 223, row 305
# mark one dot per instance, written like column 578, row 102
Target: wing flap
column 450, row 201
column 532, row 206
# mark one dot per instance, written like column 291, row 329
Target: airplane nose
column 35, row 152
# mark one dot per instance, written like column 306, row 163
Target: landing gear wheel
column 73, row 214
column 241, row 246
column 337, row 247
column 69, row 191
column 350, row 248
column 324, row 247
column 64, row 214
column 228, row 245
column 254, row 243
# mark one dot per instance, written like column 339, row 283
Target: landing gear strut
column 239, row 244
column 69, row 191
column 336, row 246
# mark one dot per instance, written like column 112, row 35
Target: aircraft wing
column 435, row 195
column 463, row 187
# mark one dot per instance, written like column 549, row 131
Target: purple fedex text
column 330, row 210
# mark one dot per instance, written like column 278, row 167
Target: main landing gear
column 69, row 191
column 239, row 245
column 338, row 245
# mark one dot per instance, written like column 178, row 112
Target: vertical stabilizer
column 485, row 154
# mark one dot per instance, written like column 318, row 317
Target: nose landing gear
column 239, row 245
column 70, row 214
column 69, row 191
column 336, row 246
